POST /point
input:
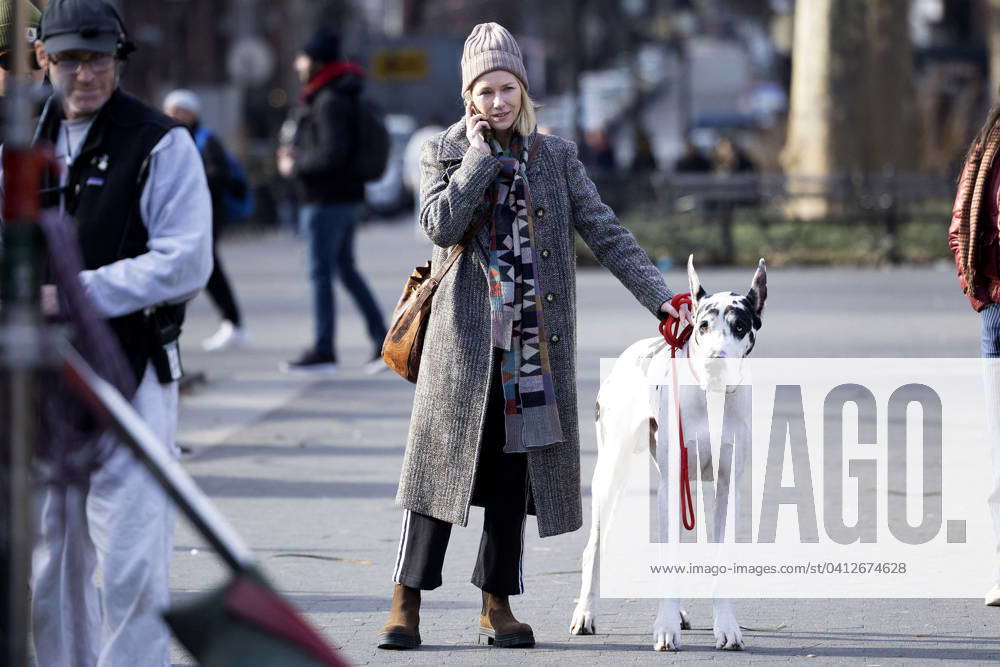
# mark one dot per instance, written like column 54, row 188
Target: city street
column 306, row 468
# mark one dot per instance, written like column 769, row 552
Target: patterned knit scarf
column 977, row 172
column 531, row 415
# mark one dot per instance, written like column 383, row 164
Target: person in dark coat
column 494, row 413
column 331, row 191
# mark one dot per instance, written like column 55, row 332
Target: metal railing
column 884, row 200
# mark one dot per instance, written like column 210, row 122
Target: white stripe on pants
column 990, row 340
column 123, row 523
column 992, row 382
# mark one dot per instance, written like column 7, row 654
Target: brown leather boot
column 499, row 627
column 402, row 630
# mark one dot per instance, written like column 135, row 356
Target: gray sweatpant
column 122, row 523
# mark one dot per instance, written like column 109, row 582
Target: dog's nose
column 718, row 355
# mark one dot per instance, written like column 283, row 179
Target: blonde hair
column 526, row 119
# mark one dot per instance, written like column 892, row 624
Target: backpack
column 237, row 198
column 372, row 154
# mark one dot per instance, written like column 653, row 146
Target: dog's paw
column 583, row 622
column 667, row 630
column 667, row 638
column 728, row 635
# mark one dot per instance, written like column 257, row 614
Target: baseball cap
column 7, row 22
column 85, row 25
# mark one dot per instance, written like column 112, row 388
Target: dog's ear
column 758, row 288
column 694, row 284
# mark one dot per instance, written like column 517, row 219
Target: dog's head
column 725, row 323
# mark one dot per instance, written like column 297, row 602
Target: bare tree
column 888, row 101
column 852, row 94
column 993, row 42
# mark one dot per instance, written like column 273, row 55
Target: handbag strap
column 476, row 226
column 428, row 288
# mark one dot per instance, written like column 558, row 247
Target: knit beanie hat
column 323, row 46
column 7, row 20
column 490, row 47
column 183, row 99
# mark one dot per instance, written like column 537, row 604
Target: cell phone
column 472, row 112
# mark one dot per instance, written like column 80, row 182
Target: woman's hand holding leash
column 476, row 128
column 683, row 314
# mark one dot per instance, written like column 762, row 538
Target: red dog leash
column 677, row 338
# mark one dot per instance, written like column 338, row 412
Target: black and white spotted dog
column 725, row 327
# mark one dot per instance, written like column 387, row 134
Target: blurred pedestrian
column 6, row 46
column 184, row 106
column 728, row 158
column 598, row 153
column 972, row 237
column 133, row 182
column 494, row 416
column 730, row 163
column 693, row 161
column 323, row 160
column 644, row 161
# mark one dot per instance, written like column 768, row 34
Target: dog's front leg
column 585, row 614
column 671, row 618
column 726, row 628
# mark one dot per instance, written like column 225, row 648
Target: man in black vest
column 134, row 184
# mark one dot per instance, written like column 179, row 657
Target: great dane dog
column 725, row 326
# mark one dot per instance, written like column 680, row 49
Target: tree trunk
column 993, row 42
column 890, row 100
column 852, row 98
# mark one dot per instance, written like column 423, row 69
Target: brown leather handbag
column 404, row 343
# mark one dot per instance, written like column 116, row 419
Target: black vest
column 102, row 195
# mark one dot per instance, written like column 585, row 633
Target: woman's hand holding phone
column 476, row 128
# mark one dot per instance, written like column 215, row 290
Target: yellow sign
column 400, row 65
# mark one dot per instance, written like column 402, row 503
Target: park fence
column 863, row 217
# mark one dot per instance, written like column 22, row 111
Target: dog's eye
column 740, row 330
column 704, row 327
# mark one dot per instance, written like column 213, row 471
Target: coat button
column 539, row 212
column 550, row 297
column 77, row 189
column 554, row 338
column 545, row 254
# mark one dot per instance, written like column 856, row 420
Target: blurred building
column 668, row 70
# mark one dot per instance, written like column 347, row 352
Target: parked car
column 388, row 195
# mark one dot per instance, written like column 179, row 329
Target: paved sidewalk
column 306, row 469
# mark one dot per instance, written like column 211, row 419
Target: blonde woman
column 494, row 416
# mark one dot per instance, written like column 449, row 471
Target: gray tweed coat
column 450, row 402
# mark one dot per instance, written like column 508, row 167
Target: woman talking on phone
column 494, row 418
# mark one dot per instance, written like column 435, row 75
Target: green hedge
column 921, row 238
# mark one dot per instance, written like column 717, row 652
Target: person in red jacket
column 973, row 239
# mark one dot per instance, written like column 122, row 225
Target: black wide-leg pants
column 501, row 487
